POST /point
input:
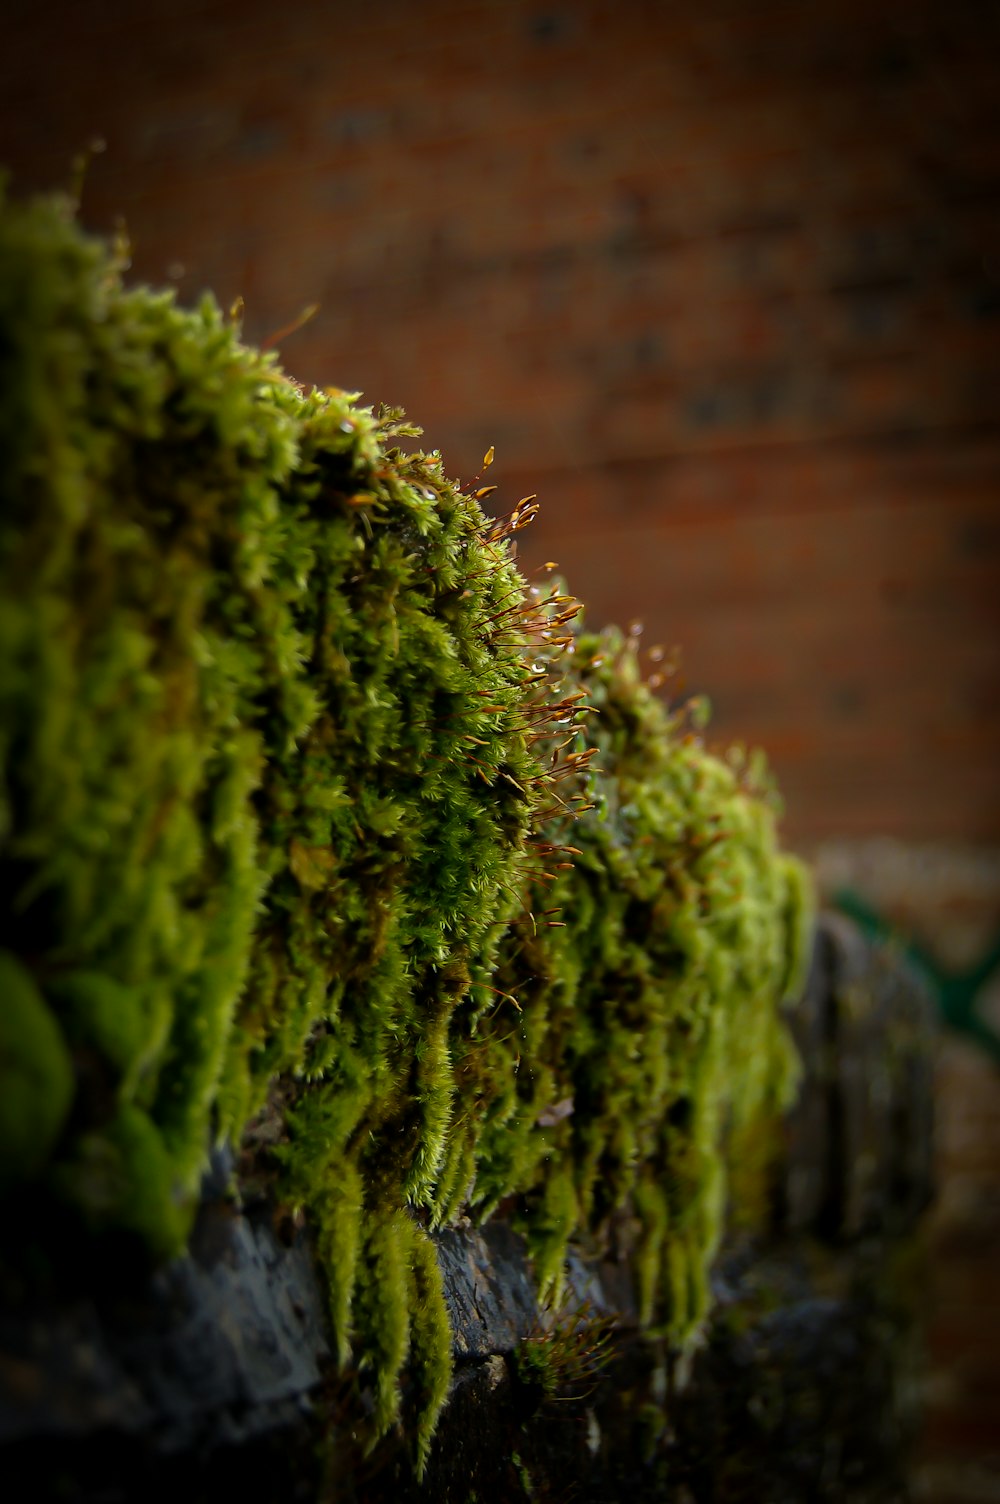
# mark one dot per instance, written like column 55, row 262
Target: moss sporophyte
column 315, row 814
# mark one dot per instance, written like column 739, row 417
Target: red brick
column 719, row 282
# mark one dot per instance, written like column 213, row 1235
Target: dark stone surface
column 488, row 1289
column 801, row 1393
column 222, row 1345
column 215, row 1373
column 859, row 1137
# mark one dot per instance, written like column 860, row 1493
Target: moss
column 36, row 1072
column 430, row 1342
column 303, row 845
column 649, row 1006
column 563, row 1360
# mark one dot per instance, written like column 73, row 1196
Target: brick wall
column 721, row 282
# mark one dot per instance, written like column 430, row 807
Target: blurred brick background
column 721, row 283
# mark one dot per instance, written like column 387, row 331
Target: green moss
column 36, row 1073
column 564, row 1359
column 430, row 1342
column 302, row 846
column 649, row 1008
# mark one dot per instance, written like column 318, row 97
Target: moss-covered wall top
column 322, row 832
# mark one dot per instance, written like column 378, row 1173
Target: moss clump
column 263, row 767
column 285, row 748
column 564, row 1359
column 648, row 1049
